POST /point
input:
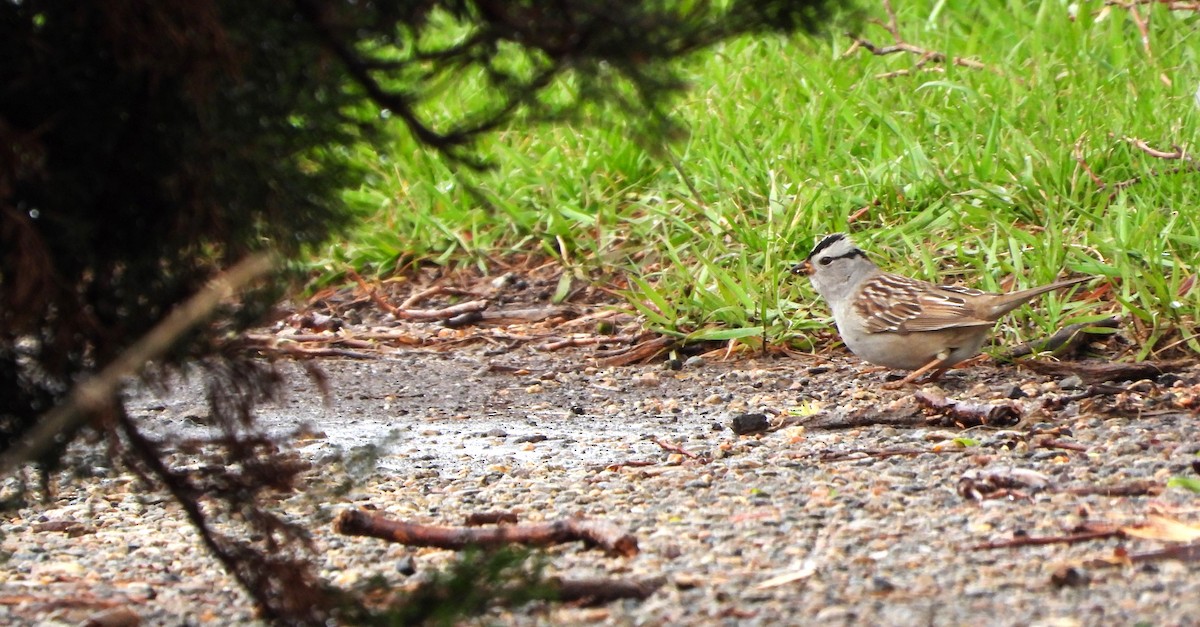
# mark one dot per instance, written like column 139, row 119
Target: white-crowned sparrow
column 898, row 322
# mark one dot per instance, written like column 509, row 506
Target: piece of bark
column 479, row 519
column 969, row 413
column 854, row 419
column 1100, row 372
column 1134, row 488
column 1071, row 538
column 527, row 314
column 589, row 592
column 356, row 522
column 1066, row 341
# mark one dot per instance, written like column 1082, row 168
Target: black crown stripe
column 829, row 240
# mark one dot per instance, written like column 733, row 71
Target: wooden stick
column 600, row 591
column 970, row 413
column 356, row 522
column 1071, row 538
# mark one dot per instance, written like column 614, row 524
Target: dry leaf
column 1163, row 528
column 804, row 573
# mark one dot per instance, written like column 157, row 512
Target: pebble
column 886, row 538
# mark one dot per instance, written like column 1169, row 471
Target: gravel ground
column 815, row 522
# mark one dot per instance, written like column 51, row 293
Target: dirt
column 858, row 505
column 812, row 522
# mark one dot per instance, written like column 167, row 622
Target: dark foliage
column 146, row 145
column 476, row 581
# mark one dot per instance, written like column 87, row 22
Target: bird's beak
column 804, row 267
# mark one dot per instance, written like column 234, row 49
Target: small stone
column 406, row 566
column 1069, row 577
column 695, row 361
column 1168, row 379
column 1015, row 392
column 1073, row 382
column 649, row 378
column 882, row 584
column 749, row 423
column 115, row 617
column 503, row 281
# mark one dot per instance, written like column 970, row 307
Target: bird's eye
column 825, row 261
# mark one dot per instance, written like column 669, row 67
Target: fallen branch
column 356, row 522
column 1071, row 538
column 858, row 454
column 1101, row 372
column 1066, row 341
column 97, row 392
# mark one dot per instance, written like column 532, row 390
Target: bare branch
column 97, row 393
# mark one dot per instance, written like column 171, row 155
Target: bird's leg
column 936, row 365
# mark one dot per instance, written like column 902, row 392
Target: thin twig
column 1176, row 154
column 1142, row 28
column 899, row 45
column 1171, row 5
column 1079, row 158
column 674, row 448
column 357, row 522
column 1072, row 538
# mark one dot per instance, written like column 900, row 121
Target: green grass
column 959, row 174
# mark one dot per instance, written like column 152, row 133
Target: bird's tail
column 1013, row 300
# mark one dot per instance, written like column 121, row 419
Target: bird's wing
column 898, row 304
